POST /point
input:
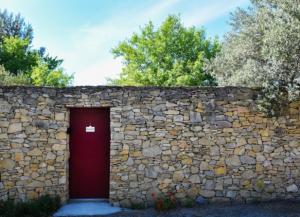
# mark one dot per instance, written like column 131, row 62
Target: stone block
column 194, row 179
column 152, row 151
column 248, row 174
column 61, row 136
column 292, row 188
column 7, row 164
column 248, row 160
column 219, row 171
column 178, row 176
column 59, row 116
column 35, row 152
column 59, row 147
column 233, row 161
column 207, row 193
column 14, row 127
column 223, row 124
column 19, row 156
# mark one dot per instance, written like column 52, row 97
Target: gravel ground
column 271, row 209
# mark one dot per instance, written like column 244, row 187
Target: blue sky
column 83, row 32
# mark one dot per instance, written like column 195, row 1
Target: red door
column 89, row 152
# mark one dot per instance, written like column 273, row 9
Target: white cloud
column 157, row 9
column 99, row 72
column 211, row 11
column 90, row 55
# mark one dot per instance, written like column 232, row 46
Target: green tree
column 52, row 62
column 263, row 50
column 172, row 55
column 14, row 26
column 44, row 75
column 21, row 61
column 17, row 56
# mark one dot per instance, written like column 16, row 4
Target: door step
column 87, row 207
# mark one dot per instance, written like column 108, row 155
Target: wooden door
column 89, row 153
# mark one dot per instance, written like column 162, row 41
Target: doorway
column 89, row 153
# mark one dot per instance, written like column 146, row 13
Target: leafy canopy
column 14, row 26
column 22, row 64
column 263, row 49
column 171, row 55
column 16, row 55
column 43, row 75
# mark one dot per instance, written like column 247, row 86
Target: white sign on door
column 90, row 129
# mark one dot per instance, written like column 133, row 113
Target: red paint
column 89, row 153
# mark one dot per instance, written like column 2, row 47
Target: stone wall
column 189, row 141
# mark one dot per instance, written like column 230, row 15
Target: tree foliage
column 263, row 50
column 14, row 26
column 7, row 79
column 16, row 55
column 43, row 75
column 22, row 63
column 171, row 55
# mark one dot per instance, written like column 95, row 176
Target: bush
column 44, row 206
column 138, row 206
column 164, row 202
column 7, row 79
column 188, row 203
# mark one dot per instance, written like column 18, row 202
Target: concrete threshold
column 87, row 207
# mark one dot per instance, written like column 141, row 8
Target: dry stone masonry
column 208, row 142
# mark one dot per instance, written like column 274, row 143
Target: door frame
column 67, row 186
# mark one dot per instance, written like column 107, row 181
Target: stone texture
column 195, row 179
column 151, row 172
column 248, row 160
column 178, row 176
column 292, row 188
column 58, row 147
column 248, row 174
column 195, row 142
column 14, row 127
column 61, row 135
column 35, row 152
column 59, row 116
column 207, row 193
column 233, row 161
column 220, row 171
column 7, row 164
column 152, row 151
column 223, row 124
column 19, row 156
